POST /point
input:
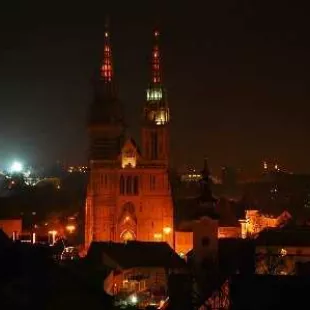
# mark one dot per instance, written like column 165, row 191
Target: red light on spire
column 156, row 74
column 107, row 68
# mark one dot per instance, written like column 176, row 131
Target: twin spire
column 107, row 72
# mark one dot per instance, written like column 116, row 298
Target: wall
column 183, row 242
column 124, row 281
column 10, row 226
column 205, row 239
column 229, row 232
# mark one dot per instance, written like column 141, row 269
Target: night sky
column 237, row 75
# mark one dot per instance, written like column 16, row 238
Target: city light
column 53, row 233
column 16, row 167
column 167, row 230
column 158, row 236
column 70, row 228
column 133, row 299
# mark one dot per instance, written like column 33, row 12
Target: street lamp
column 53, row 233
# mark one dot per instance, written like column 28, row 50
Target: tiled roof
column 137, row 254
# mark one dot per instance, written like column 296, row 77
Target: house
column 280, row 250
column 257, row 220
column 12, row 227
column 136, row 271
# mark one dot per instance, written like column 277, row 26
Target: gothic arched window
column 122, row 185
column 136, row 185
column 129, row 185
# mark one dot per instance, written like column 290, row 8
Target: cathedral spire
column 107, row 63
column 156, row 115
column 156, row 65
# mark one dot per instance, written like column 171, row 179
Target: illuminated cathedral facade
column 128, row 194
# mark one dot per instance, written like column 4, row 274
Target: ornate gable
column 129, row 154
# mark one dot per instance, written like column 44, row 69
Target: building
column 11, row 227
column 280, row 251
column 129, row 195
column 136, row 272
column 255, row 221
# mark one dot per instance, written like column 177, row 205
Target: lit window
column 154, row 94
column 167, row 230
column 129, row 159
column 158, row 237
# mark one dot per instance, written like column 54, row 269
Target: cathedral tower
column 106, row 127
column 156, row 116
column 106, row 134
column 128, row 195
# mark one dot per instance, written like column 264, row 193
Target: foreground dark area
column 30, row 279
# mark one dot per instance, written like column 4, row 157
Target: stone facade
column 129, row 195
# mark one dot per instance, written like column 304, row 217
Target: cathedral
column 129, row 194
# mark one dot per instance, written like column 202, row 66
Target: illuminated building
column 77, row 169
column 191, row 176
column 280, row 251
column 11, row 227
column 128, row 196
column 138, row 271
column 255, row 222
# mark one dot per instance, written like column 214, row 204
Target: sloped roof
column 192, row 209
column 137, row 254
column 4, row 239
column 286, row 236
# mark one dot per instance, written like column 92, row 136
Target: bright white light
column 16, row 167
column 134, row 299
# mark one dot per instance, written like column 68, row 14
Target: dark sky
column 237, row 75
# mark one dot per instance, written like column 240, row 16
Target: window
column 129, row 185
column 136, row 185
column 205, row 241
column 152, row 182
column 122, row 185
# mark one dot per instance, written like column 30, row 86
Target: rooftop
column 137, row 254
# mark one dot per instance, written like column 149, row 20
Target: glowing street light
column 53, row 233
column 133, row 299
column 17, row 167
